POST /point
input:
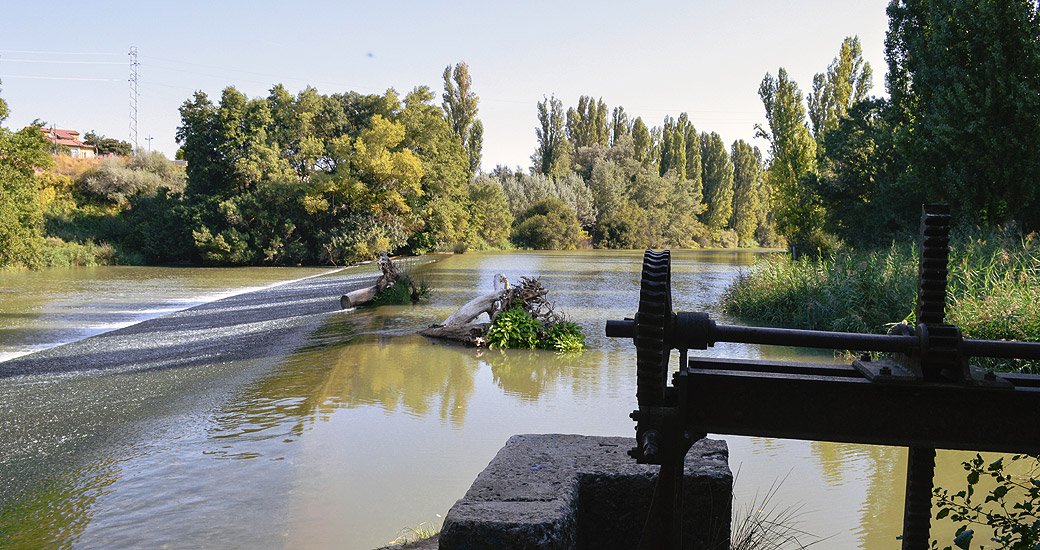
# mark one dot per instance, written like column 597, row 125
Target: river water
column 364, row 428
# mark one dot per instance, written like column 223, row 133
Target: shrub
column 564, row 336
column 548, row 225
column 517, row 329
column 514, row 328
column 404, row 292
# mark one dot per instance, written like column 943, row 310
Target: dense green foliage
column 517, row 329
column 21, row 214
column 632, row 186
column 799, row 214
column 962, row 126
column 964, row 77
column 404, row 291
column 548, row 224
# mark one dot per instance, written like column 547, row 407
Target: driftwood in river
column 529, row 294
column 469, row 333
column 481, row 304
column 365, row 295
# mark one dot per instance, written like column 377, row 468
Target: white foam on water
column 142, row 315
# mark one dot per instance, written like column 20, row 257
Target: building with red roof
column 70, row 139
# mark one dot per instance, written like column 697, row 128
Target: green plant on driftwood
column 392, row 288
column 521, row 317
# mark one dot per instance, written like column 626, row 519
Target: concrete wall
column 579, row 492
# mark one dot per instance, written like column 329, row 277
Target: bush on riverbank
column 993, row 290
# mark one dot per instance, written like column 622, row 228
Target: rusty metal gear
column 652, row 320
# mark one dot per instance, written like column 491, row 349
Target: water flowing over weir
column 275, row 420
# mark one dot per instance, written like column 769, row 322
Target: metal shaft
column 822, row 339
column 917, row 514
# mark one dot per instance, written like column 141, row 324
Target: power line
column 60, row 77
column 58, row 53
column 64, row 62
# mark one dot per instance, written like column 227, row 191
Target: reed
column 993, row 290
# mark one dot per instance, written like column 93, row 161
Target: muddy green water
column 368, row 428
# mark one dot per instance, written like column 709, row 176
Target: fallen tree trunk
column 470, row 333
column 366, row 295
column 458, row 325
column 475, row 308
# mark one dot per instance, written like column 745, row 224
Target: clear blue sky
column 706, row 58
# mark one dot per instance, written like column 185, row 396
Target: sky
column 68, row 64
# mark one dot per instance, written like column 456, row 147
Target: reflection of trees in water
column 351, row 362
column 529, row 373
column 55, row 511
column 882, row 511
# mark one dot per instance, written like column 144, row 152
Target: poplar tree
column 717, row 175
column 846, row 82
column 747, row 180
column 641, row 141
column 793, row 157
column 692, row 142
column 552, row 158
column 619, row 125
column 667, row 160
column 460, row 110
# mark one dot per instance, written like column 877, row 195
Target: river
column 359, row 428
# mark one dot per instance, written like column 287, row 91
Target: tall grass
column 993, row 290
column 408, row 535
column 764, row 524
column 847, row 291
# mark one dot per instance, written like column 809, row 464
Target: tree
column 964, row 78
column 108, row 146
column 293, row 130
column 552, row 158
column 587, row 125
column 747, row 181
column 619, row 125
column 867, row 197
column 21, row 154
column 490, row 213
column 846, row 82
column 475, row 145
column 717, row 175
column 460, row 110
column 793, row 150
column 692, row 142
column 641, row 141
column 548, row 225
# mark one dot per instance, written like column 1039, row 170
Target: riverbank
column 992, row 290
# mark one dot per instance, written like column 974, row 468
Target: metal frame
column 917, row 399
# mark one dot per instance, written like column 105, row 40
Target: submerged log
column 366, row 295
column 471, row 333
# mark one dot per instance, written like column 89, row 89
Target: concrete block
column 559, row 491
